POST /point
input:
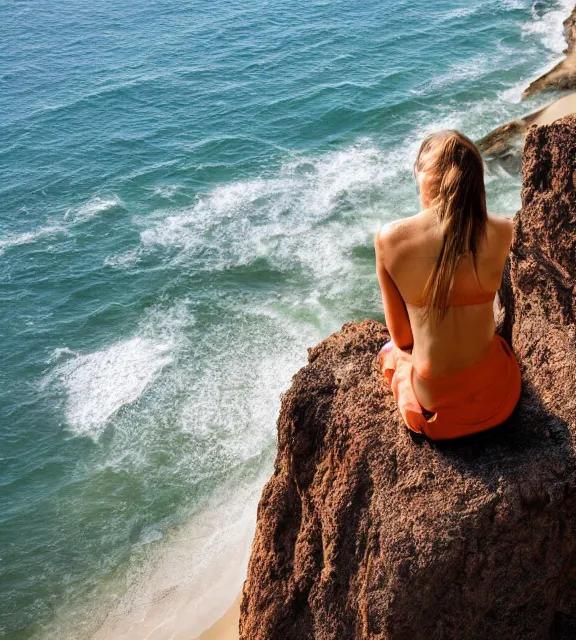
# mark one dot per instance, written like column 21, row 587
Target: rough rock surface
column 365, row 531
column 563, row 75
column 505, row 142
column 500, row 141
column 570, row 32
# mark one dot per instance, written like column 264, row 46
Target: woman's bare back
column 409, row 249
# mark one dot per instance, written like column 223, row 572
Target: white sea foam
column 514, row 93
column 461, row 12
column 73, row 216
column 549, row 27
column 467, row 69
column 299, row 217
column 231, row 409
column 513, row 5
column 124, row 260
column 166, row 191
column 92, row 208
column 60, row 353
column 98, row 384
column 28, row 237
column 313, row 210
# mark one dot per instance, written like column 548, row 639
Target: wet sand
column 227, row 627
column 190, row 586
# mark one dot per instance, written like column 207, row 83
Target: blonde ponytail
column 455, row 173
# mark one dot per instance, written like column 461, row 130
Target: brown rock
column 505, row 142
column 367, row 532
column 544, row 266
column 570, row 32
column 563, row 75
column 499, row 141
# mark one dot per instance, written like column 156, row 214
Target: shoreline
column 226, row 627
column 562, row 76
column 501, row 140
column 191, row 588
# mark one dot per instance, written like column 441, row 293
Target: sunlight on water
column 188, row 203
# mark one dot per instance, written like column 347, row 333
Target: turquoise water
column 188, row 199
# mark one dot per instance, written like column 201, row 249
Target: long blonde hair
column 455, row 177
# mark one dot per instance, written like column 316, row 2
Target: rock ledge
column 365, row 531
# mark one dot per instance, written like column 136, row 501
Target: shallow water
column 188, row 200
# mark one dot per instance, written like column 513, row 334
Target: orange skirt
column 468, row 401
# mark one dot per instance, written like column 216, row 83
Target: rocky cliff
column 505, row 142
column 365, row 531
column 563, row 75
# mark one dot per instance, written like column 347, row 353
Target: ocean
column 188, row 199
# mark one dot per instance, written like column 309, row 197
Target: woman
column 439, row 272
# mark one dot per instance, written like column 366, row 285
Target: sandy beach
column 190, row 588
column 188, row 208
column 502, row 139
column 227, row 627
column 559, row 109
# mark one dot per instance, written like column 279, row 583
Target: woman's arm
column 397, row 319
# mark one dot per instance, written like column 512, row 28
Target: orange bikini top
column 466, row 291
column 463, row 299
column 397, row 319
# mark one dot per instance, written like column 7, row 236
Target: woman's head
column 449, row 166
column 450, row 173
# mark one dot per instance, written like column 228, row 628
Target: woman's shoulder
column 398, row 232
column 401, row 241
column 501, row 222
column 395, row 227
column 500, row 230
